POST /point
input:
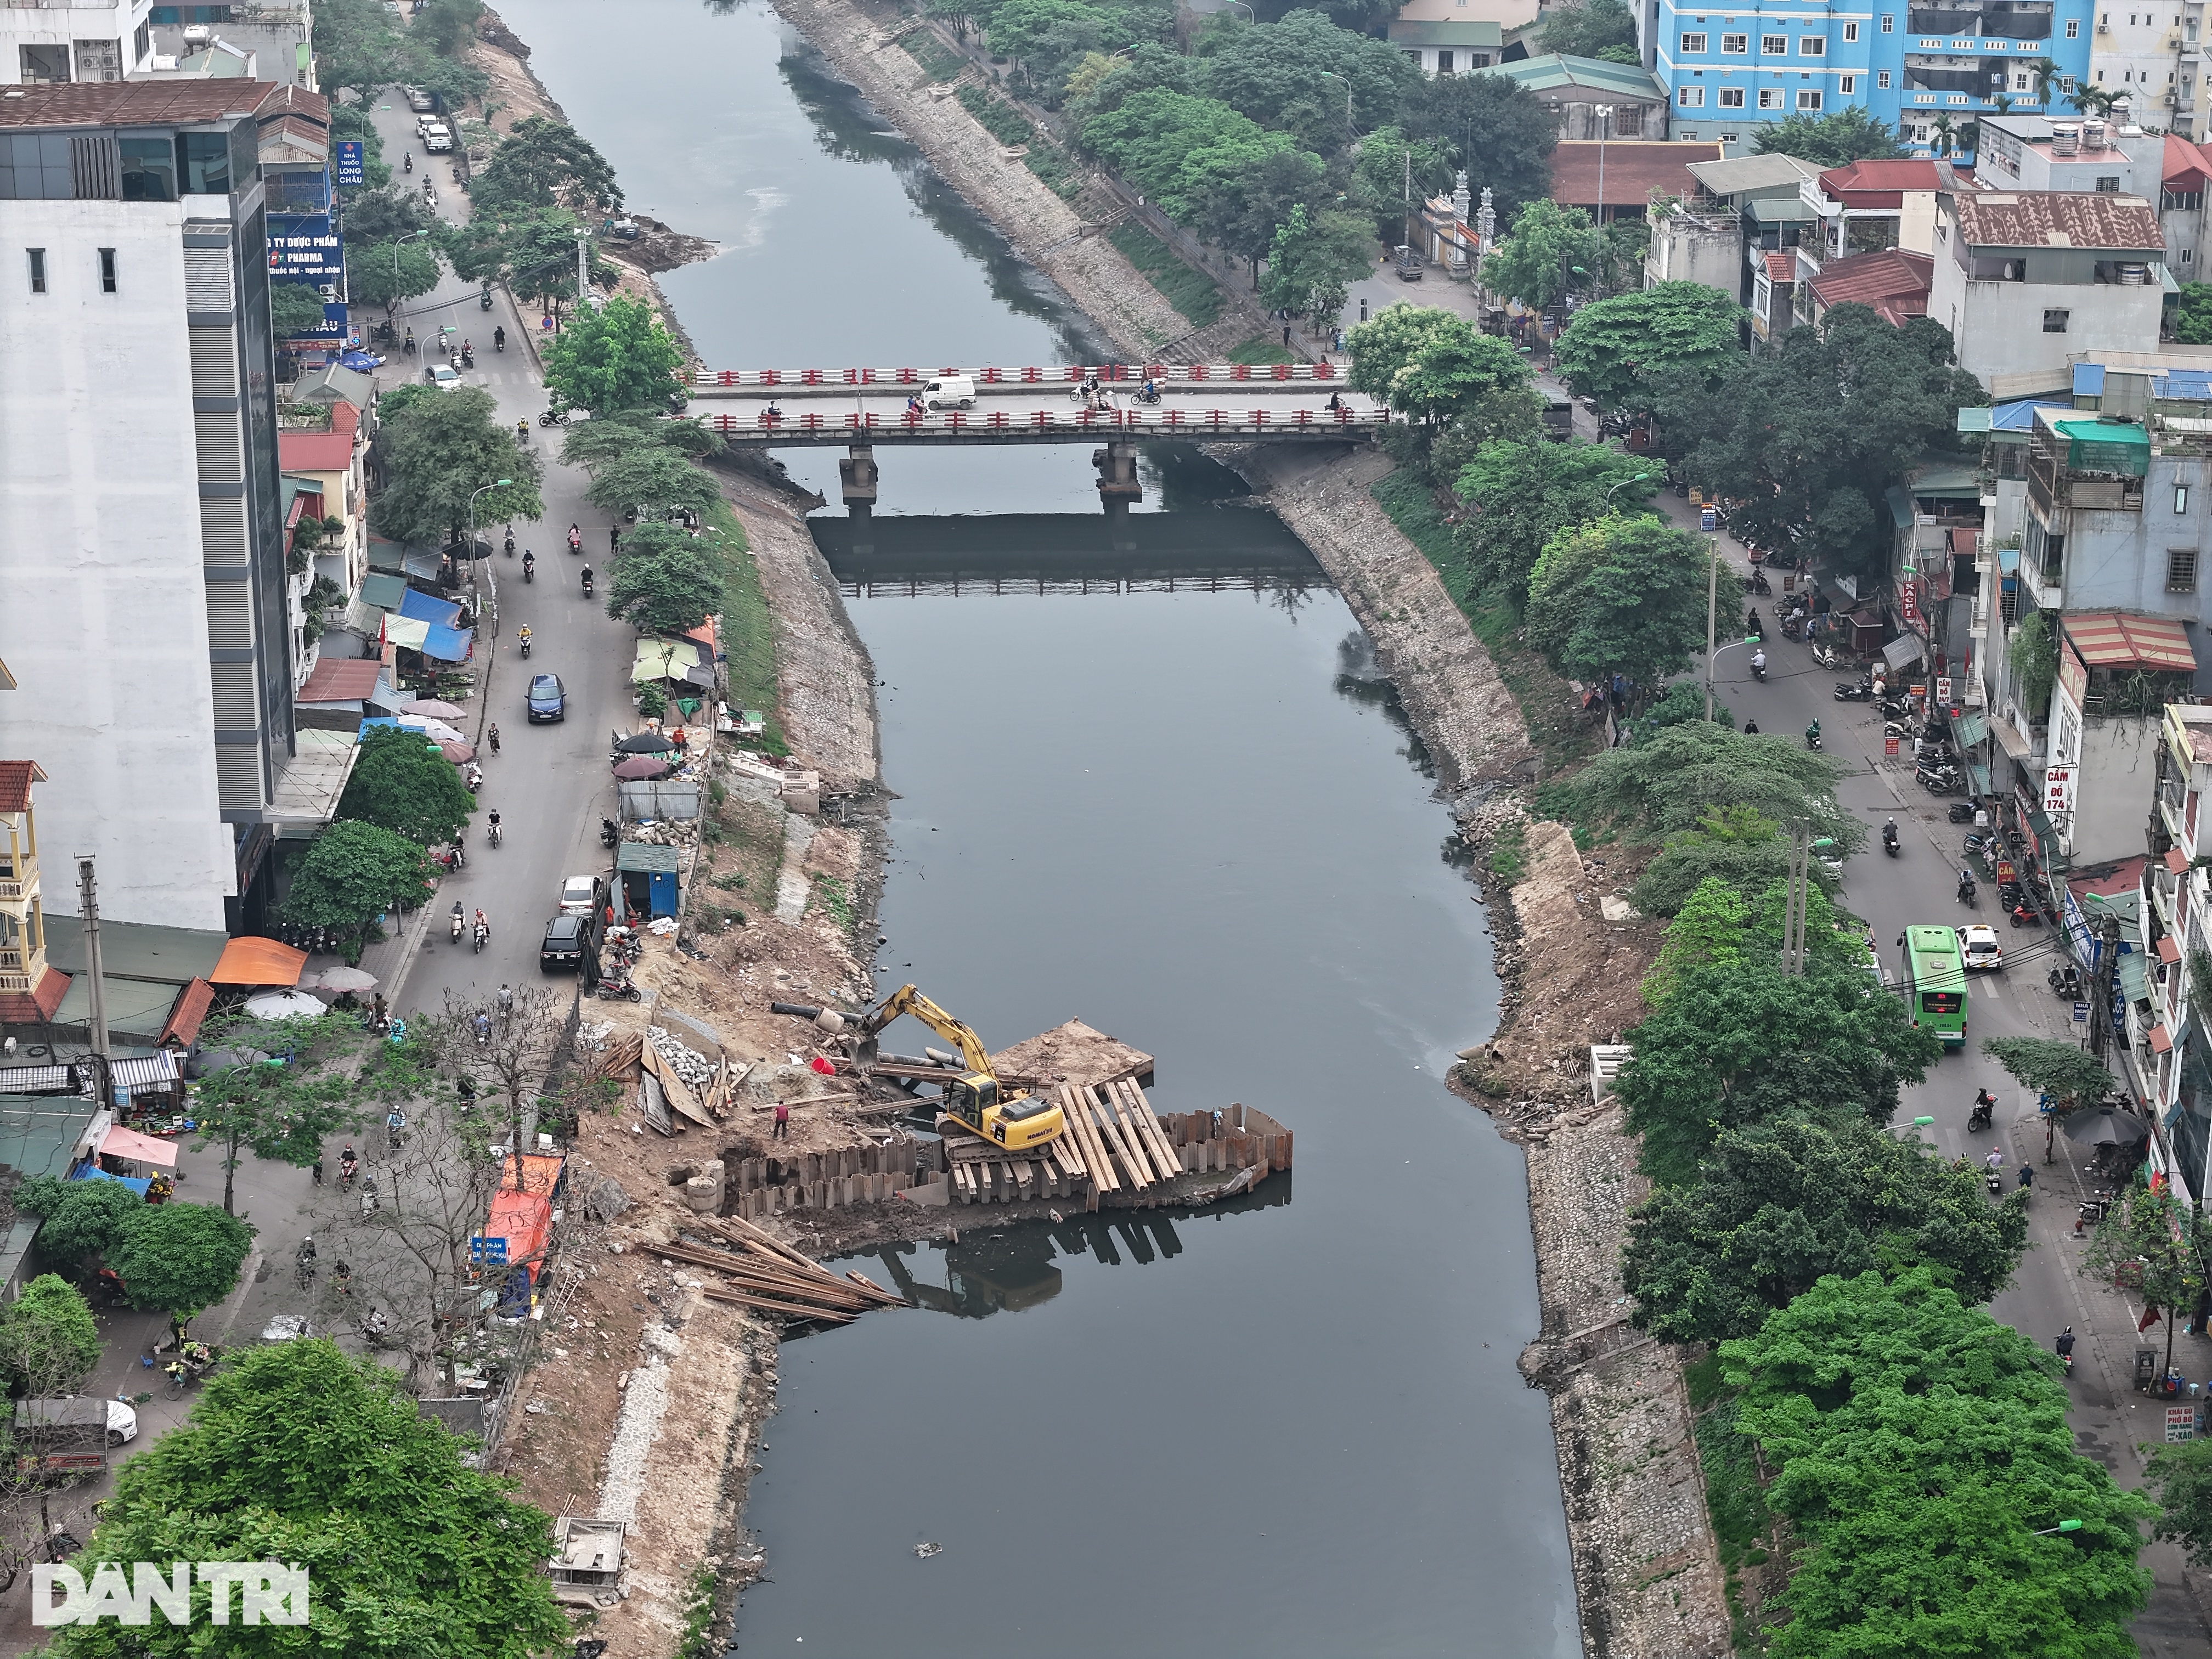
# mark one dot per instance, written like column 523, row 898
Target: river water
column 1197, row 820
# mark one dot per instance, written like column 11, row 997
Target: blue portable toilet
column 647, row 874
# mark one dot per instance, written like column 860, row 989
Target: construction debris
column 1074, row 1053
column 770, row 1278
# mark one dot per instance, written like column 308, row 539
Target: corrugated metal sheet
column 2060, row 219
column 2112, row 639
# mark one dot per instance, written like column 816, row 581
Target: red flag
column 2150, row 1318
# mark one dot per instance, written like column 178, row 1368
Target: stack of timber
column 1119, row 1151
column 770, row 1278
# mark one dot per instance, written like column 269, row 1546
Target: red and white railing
column 1016, row 424
column 1014, row 378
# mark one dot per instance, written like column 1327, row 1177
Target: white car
column 122, row 1424
column 287, row 1328
column 444, row 376
column 581, row 895
column 1979, row 948
column 420, row 100
column 437, row 139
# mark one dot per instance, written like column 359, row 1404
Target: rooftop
column 1554, row 69
column 1634, row 168
column 315, row 452
column 129, row 103
column 1889, row 179
column 1474, row 31
column 2058, row 218
column 1741, row 172
column 16, row 778
column 1894, row 282
column 292, row 100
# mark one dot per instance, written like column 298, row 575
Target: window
column 2189, row 256
column 1770, row 98
column 1693, row 43
column 1687, row 133
column 2019, row 82
column 1444, row 63
column 1690, row 97
column 1774, row 45
column 1811, row 46
column 1850, row 31
column 1882, row 80
column 141, row 43
column 2072, row 29
column 1730, row 98
column 2054, row 322
column 204, row 158
column 1735, row 45
column 150, row 169
column 2108, row 184
column 2181, row 570
column 38, row 269
column 107, row 270
column 2180, row 501
column 1847, row 84
column 1478, row 60
column 43, row 65
column 1889, row 26
column 1808, row 101
column 1730, row 138
column 2066, row 83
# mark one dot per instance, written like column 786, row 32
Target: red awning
column 2112, row 639
column 259, row 962
column 185, row 1014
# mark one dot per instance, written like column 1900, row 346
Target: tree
column 1256, row 198
column 385, row 216
column 403, row 784
column 1780, row 1205
column 534, row 250
column 354, row 872
column 2046, row 71
column 356, row 49
column 444, row 27
column 2066, row 1072
column 1623, row 595
column 2181, row 1477
column 329, row 1070
column 1740, row 1043
column 1944, row 132
column 1552, row 249
column 386, row 273
column 1835, row 140
column 1499, row 131
column 656, row 480
column 1617, row 350
column 516, row 1059
column 1275, row 76
column 1313, row 260
column 666, row 591
column 615, row 359
column 1590, row 29
column 177, row 1257
column 295, row 308
column 2161, row 1242
column 2192, row 317
column 1393, row 176
column 1673, row 782
column 1451, row 370
column 439, row 452
column 448, row 77
column 79, row 1219
column 1521, row 493
column 541, row 164
column 1180, row 149
column 1734, row 845
column 297, row 1453
column 1918, row 1447
column 1709, row 930
column 49, row 1340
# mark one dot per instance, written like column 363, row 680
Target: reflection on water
column 1208, row 549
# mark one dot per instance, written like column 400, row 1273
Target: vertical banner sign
column 2180, row 1423
column 1908, row 603
column 350, row 162
column 303, row 249
column 2058, row 790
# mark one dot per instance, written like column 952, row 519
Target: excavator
column 1016, row 1120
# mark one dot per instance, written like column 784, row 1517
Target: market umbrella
column 438, row 731
column 341, row 980
column 640, row 767
column 460, row 753
column 285, row 1005
column 2103, row 1127
column 436, row 707
column 644, row 742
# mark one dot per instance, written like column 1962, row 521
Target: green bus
column 1937, row 975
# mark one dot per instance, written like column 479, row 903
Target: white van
column 953, row 392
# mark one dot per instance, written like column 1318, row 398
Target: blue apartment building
column 1728, row 72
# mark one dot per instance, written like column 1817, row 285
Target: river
column 1197, row 820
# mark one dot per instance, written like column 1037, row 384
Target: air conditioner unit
column 2104, row 28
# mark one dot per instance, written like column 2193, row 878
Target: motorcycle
column 1760, row 584
column 554, row 417
column 1825, row 655
column 1889, row 839
column 1994, row 1183
column 2024, row 914
column 1854, row 690
column 1978, row 1119
column 525, row 644
column 482, row 934
column 1960, row 812
column 575, row 540
column 410, row 167
column 1149, row 394
column 499, row 339
column 610, row 832
column 509, row 546
column 620, row 990
column 1937, row 783
column 484, row 300
column 1966, row 890
column 2065, row 983
column 587, row 584
column 1759, row 671
column 468, row 357
column 1813, row 740
column 529, row 573
column 495, row 833
column 1752, row 630
column 457, row 926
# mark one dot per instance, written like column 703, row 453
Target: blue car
column 547, row 700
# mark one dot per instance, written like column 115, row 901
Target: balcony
column 21, row 966
column 19, row 880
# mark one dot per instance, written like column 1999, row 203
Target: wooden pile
column 769, row 1277
column 705, row 1110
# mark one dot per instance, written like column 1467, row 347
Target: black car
column 567, row 939
column 548, row 701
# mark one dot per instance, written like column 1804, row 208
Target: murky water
column 1196, row 819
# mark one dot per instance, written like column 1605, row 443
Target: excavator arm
column 907, row 999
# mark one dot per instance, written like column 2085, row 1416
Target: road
column 2049, row 1290
column 552, row 783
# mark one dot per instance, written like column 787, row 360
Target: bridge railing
column 1057, row 374
column 1175, row 421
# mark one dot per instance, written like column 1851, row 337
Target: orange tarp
column 259, row 962
column 524, row 1220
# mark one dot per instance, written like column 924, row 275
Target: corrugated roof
column 1554, row 70
column 1473, row 33
column 1634, row 168
column 341, row 679
column 184, row 1017
column 2059, row 218
column 1780, row 267
column 1894, row 283
column 16, row 778
column 1886, row 178
column 646, row 858
column 2185, row 166
column 131, row 103
column 259, row 962
column 2112, row 639
column 291, row 99
column 314, row 452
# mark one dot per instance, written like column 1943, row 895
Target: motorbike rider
column 482, row 922
column 575, row 539
column 1751, row 728
column 529, row 564
column 482, row 1023
column 459, row 917
column 492, row 822
column 521, row 427
column 1813, row 735
column 1966, row 882
column 2064, row 1344
column 410, row 167
column 522, row 633
column 1758, row 661
column 1889, row 833
column 586, row 575
column 499, row 338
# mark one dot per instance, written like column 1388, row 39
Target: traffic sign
column 489, row 1252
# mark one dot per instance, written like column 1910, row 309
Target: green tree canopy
column 79, row 1219
column 653, row 480
column 1552, row 252
column 1710, row 930
column 442, row 27
column 49, row 1340
column 353, row 872
column 403, row 784
column 295, row 308
column 1499, row 131
column 1440, row 367
column 543, row 163
column 439, row 451
column 2162, row 1243
column 1779, row 1206
column 1919, row 1447
column 297, row 1453
column 1522, row 493
column 615, row 359
column 2181, row 1479
column 357, row 48
column 1275, row 76
column 1252, row 201
column 1388, row 168
column 179, row 1258
column 384, row 273
column 1672, row 783
column 1179, row 149
column 2192, row 316
column 385, row 216
column 533, row 250
column 1829, row 141
column 1740, row 1043
column 1624, row 595
column 666, row 581
column 1620, row 351
column 1590, row 29
column 1735, row 846
column 1314, row 259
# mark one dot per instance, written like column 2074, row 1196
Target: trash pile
column 695, row 1070
column 663, row 832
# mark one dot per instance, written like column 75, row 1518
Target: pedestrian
column 782, row 1121
column 614, row 538
column 379, row 1015
column 1286, row 336
column 2026, row 1175
column 1915, row 745
column 494, row 735
column 319, row 1172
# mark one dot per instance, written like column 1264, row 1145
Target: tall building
column 2148, row 57
column 52, row 41
column 142, row 540
column 1928, row 71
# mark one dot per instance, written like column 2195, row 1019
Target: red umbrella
column 460, row 753
column 640, row 767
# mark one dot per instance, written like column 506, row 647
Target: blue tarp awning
column 138, row 1184
column 421, row 607
column 448, row 644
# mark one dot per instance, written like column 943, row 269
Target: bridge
column 861, row 408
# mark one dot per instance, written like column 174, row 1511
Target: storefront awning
column 259, row 962
column 139, row 1149
column 2008, row 739
column 1901, row 653
column 1971, row 728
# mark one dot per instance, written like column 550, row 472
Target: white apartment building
column 141, row 543
column 46, row 41
column 2147, row 55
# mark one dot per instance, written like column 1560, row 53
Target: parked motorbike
column 1854, row 690
column 1825, row 655
column 620, row 990
column 2024, row 914
column 2065, row 983
column 1937, row 781
column 610, row 832
column 1960, row 812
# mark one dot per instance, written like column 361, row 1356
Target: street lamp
column 1331, row 75
column 2063, row 1526
column 1640, row 477
column 397, row 242
column 1917, row 1123
column 496, row 483
column 1249, row 12
column 1604, row 113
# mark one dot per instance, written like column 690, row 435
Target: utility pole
column 1712, row 601
column 1409, row 195
column 88, row 908
column 583, row 265
column 2101, row 1007
column 1793, row 910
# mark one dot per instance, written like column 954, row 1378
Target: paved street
column 2049, row 1292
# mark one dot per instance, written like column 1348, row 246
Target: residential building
column 322, row 480
column 31, row 988
column 2175, row 908
column 1894, row 283
column 149, row 611
column 1452, row 47
column 304, row 246
column 277, row 35
column 2181, row 207
column 2033, row 152
column 1616, row 180
column 2116, row 672
column 1871, row 205
column 1592, row 97
column 1736, row 70
column 49, row 41
column 1744, row 207
column 2027, row 281
column 2141, row 55
column 1508, row 15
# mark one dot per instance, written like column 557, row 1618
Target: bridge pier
column 1117, row 478
column 856, row 477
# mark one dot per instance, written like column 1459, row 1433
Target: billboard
column 349, row 161
column 302, row 248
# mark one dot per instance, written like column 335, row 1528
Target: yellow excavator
column 1015, row 1119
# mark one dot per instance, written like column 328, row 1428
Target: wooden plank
column 1118, row 1111
column 1140, row 1174
column 1067, row 1149
column 766, row 1305
column 1155, row 1137
column 1095, row 1142
column 1079, row 1121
